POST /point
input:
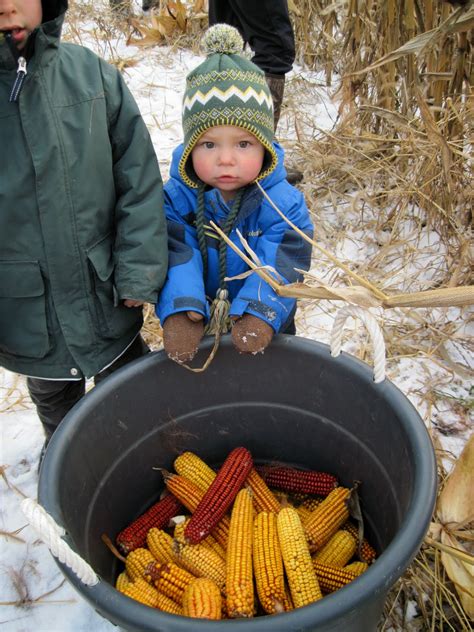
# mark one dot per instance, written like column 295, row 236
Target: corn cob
column 331, row 578
column 304, row 513
column 201, row 562
column 338, row 550
column 159, row 514
column 122, row 581
column 202, row 600
column 209, row 542
column 356, row 567
column 194, row 469
column 170, row 580
column 190, row 495
column 160, row 545
column 239, row 572
column 268, row 563
column 220, row 495
column 302, row 580
column 311, row 503
column 292, row 480
column 262, row 496
column 327, row 518
column 287, row 601
column 141, row 591
column 137, row 562
column 366, row 551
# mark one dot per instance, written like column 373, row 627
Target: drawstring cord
column 219, row 321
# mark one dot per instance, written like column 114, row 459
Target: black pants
column 54, row 398
column 265, row 25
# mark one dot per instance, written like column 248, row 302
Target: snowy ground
column 34, row 594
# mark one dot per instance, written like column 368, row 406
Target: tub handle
column 375, row 333
column 50, row 533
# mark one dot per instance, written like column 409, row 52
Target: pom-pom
column 224, row 39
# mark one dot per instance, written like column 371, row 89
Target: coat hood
column 278, row 174
column 53, row 9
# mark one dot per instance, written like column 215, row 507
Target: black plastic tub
column 294, row 403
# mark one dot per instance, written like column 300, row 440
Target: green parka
column 81, row 210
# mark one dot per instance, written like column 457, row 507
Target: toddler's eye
column 208, row 144
column 244, row 143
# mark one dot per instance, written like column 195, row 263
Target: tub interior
column 294, row 404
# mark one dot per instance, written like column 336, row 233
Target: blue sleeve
column 184, row 286
column 283, row 249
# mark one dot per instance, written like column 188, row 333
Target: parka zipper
column 21, row 70
column 20, row 77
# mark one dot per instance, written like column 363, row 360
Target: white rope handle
column 50, row 532
column 375, row 333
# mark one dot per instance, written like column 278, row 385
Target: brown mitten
column 251, row 334
column 181, row 337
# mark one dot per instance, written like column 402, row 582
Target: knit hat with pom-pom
column 226, row 89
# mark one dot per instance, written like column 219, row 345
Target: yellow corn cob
column 170, row 580
column 262, row 496
column 194, row 469
column 160, row 544
column 168, row 605
column 357, row 567
column 191, row 495
column 202, row 600
column 137, row 562
column 299, row 568
column 331, row 578
column 141, row 591
column 287, row 601
column 122, row 581
column 304, row 513
column 268, row 563
column 311, row 503
column 210, row 542
column 239, row 573
column 366, row 552
column 201, row 562
column 327, row 518
column 338, row 550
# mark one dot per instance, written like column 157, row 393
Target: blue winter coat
column 268, row 235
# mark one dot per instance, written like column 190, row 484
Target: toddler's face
column 227, row 158
column 20, row 17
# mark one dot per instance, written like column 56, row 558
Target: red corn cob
column 159, row 514
column 219, row 495
column 292, row 480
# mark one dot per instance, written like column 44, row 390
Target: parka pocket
column 23, row 319
column 113, row 320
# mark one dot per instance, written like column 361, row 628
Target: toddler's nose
column 226, row 156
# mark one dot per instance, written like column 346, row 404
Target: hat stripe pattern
column 224, row 95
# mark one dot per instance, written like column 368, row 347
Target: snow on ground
column 34, row 593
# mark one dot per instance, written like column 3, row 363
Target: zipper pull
column 20, row 78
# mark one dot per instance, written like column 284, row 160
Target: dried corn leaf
column 178, row 13
column 423, row 41
column 456, row 507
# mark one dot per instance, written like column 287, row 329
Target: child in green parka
column 83, row 239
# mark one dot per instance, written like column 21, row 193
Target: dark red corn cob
column 301, row 481
column 159, row 514
column 220, row 495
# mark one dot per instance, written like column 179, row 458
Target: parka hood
column 279, row 173
column 53, row 9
